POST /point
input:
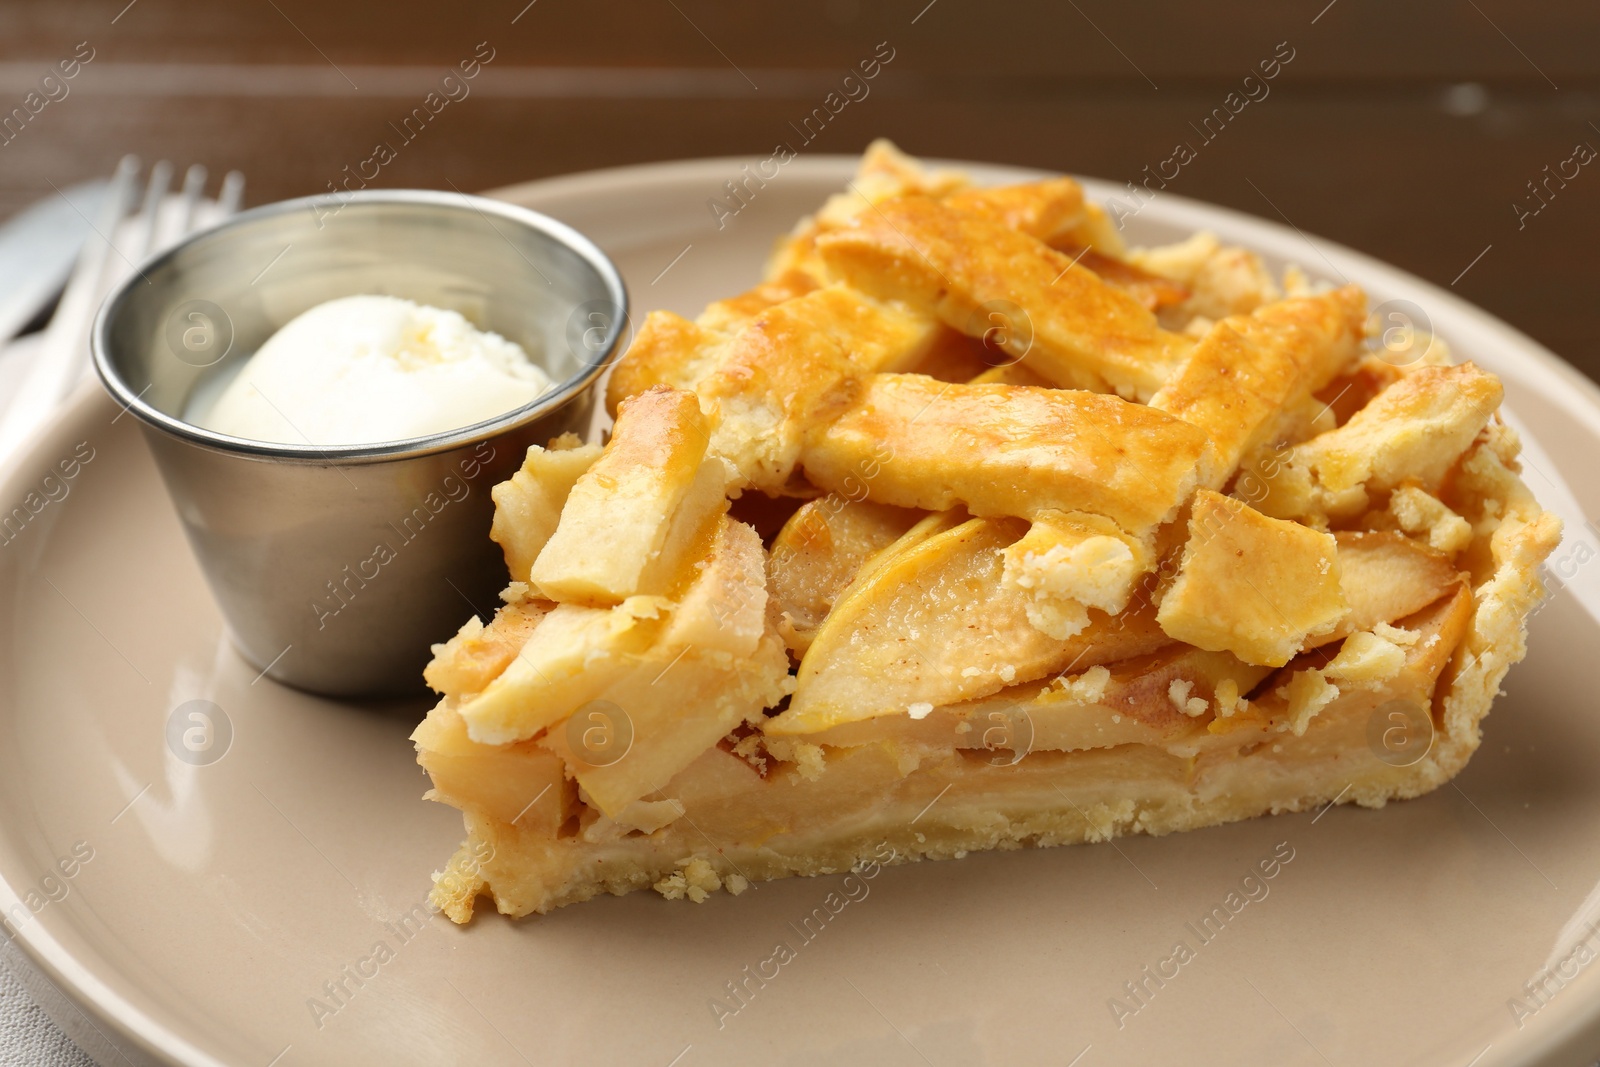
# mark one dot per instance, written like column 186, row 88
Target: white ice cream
column 363, row 369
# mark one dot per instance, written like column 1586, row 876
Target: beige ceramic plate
column 244, row 910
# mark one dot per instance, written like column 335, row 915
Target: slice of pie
column 970, row 528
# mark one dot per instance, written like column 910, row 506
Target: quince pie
column 970, row 528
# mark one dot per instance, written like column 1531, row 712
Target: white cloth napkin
column 27, row 1036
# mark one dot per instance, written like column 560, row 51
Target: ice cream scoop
column 364, row 369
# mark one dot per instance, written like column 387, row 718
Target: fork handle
column 56, row 368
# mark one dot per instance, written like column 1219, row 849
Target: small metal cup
column 336, row 567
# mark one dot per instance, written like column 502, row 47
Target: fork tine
column 120, row 196
column 154, row 193
column 194, row 183
column 62, row 360
column 232, row 194
column 94, row 260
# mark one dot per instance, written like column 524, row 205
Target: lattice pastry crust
column 970, row 528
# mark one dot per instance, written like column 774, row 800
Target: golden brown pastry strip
column 1252, row 585
column 1066, row 322
column 799, row 364
column 1044, row 209
column 1008, row 450
column 1152, row 290
column 671, row 350
column 668, row 350
column 1248, row 373
column 1413, row 431
column 633, row 518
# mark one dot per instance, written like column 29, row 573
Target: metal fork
column 161, row 221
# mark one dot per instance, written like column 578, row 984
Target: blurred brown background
column 1407, row 131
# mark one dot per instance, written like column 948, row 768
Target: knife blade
column 38, row 248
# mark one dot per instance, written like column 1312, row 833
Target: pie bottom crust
column 741, row 827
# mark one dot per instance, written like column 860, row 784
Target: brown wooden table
column 1409, row 131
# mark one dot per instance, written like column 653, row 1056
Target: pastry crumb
column 1395, row 635
column 1086, row 688
column 1178, row 693
column 695, row 879
column 1227, row 696
column 750, row 750
column 1366, row 659
column 1308, row 692
column 809, row 760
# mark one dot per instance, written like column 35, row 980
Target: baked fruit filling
column 971, row 528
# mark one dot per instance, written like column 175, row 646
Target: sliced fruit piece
column 661, row 715
column 725, row 606
column 1250, row 371
column 527, row 506
column 1279, row 581
column 1130, row 701
column 477, row 654
column 931, row 625
column 957, row 266
column 689, row 533
column 706, row 784
column 1006, row 450
column 1190, row 682
column 521, row 785
column 1385, row 576
column 632, row 516
column 920, row 531
column 817, row 553
column 1438, row 629
column 575, row 653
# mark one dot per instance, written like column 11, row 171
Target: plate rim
column 1575, row 1025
